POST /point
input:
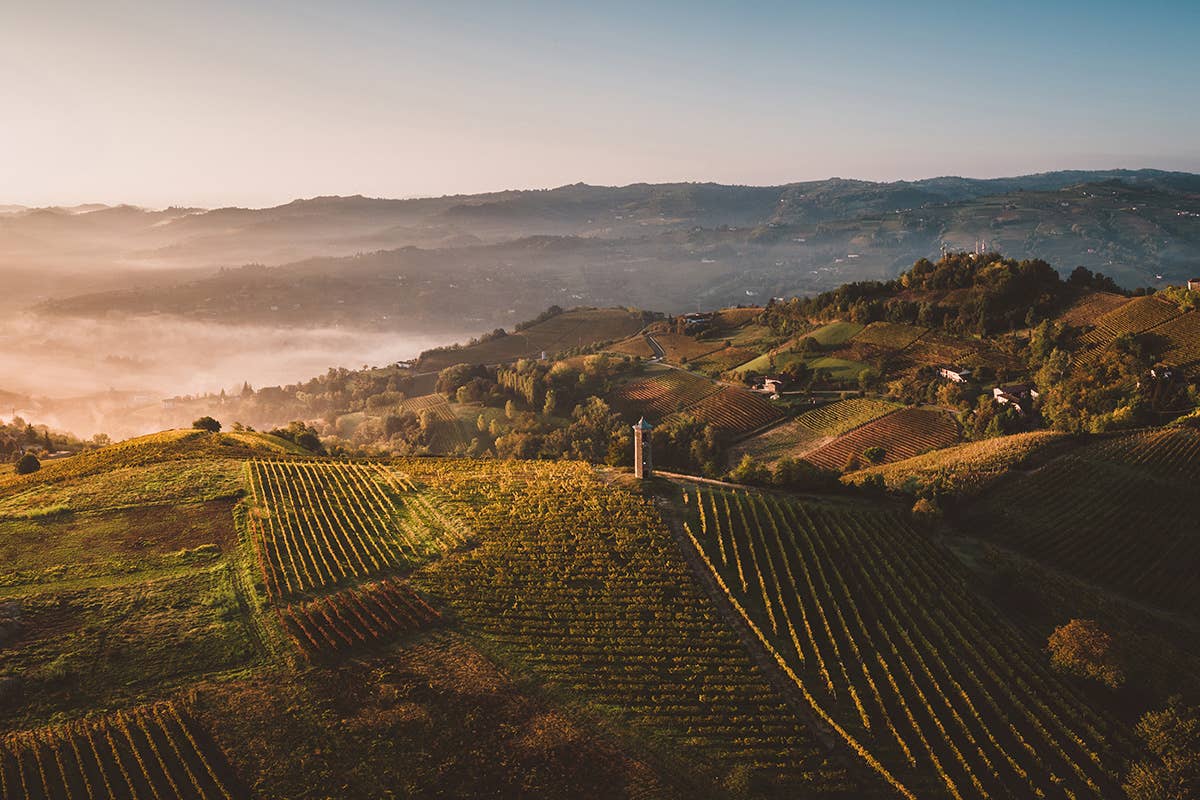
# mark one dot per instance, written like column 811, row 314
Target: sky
column 217, row 103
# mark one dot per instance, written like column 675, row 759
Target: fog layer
column 91, row 376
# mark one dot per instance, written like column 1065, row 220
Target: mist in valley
column 115, row 376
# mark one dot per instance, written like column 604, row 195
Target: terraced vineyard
column 155, row 751
column 1183, row 338
column 1138, row 315
column 811, row 429
column 1119, row 512
column 877, row 628
column 360, row 616
column 903, row 434
column 936, row 349
column 890, row 335
column 962, row 470
column 681, row 348
column 435, row 404
column 723, row 360
column 1091, row 306
column 323, row 524
column 582, row 584
column 734, row 411
column 664, row 393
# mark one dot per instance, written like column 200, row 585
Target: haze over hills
column 158, row 303
column 677, row 243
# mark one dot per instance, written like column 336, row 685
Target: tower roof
column 642, row 425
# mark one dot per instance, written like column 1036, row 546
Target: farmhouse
column 955, row 374
column 769, row 384
column 1019, row 395
column 697, row 321
column 1193, row 284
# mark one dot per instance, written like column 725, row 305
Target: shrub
column 207, row 424
column 27, row 464
column 1171, row 768
column 926, row 509
column 1082, row 648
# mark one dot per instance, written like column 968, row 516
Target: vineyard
column 812, row 429
column 1183, row 340
column 581, row 583
column 937, row 349
column 681, row 348
column 723, row 360
column 734, row 411
column 1138, row 315
column 319, row 524
column 890, row 335
column 878, row 629
column 152, row 753
column 835, row 333
column 436, row 404
column 962, row 470
column 663, row 393
column 902, row 434
column 1090, row 307
column 360, row 616
column 1119, row 512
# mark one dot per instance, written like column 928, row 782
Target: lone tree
column 207, row 424
column 28, row 463
column 1082, row 648
column 1170, row 769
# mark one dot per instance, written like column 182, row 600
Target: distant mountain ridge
column 667, row 246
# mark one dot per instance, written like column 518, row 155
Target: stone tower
column 643, row 466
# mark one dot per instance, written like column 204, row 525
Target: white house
column 1019, row 395
column 955, row 374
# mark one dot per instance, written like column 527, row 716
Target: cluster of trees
column 788, row 473
column 963, row 293
column 556, row 410
column 20, row 438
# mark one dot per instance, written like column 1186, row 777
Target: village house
column 955, row 374
column 1193, row 284
column 769, row 384
column 1019, row 395
column 697, row 321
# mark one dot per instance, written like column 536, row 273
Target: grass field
column 879, row 630
column 811, row 429
column 839, row 369
column 1117, row 512
column 835, row 334
column 902, row 434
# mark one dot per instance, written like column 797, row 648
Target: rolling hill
column 229, row 615
column 497, row 258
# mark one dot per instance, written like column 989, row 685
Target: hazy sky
column 160, row 102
